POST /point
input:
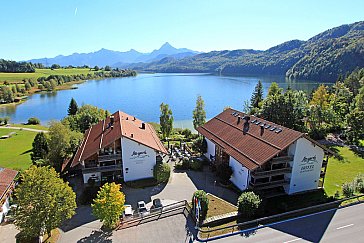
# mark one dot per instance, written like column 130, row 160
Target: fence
column 155, row 214
column 245, row 226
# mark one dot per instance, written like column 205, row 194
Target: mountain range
column 105, row 57
column 323, row 57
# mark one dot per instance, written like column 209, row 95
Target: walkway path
column 24, row 128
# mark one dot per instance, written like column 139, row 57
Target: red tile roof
column 101, row 135
column 7, row 177
column 252, row 148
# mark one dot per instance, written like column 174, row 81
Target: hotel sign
column 139, row 155
column 308, row 164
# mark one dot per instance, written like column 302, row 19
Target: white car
column 128, row 211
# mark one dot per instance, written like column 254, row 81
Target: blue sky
column 34, row 29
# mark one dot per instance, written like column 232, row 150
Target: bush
column 248, row 204
column 224, row 172
column 162, row 172
column 196, row 164
column 187, row 133
column 359, row 183
column 348, row 189
column 204, row 203
column 33, row 121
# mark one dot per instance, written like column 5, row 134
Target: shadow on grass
column 26, row 152
column 97, row 237
column 337, row 155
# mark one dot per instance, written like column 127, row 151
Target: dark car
column 157, row 204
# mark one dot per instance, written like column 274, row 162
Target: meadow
column 18, row 77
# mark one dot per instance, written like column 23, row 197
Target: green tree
column 274, row 89
column 39, row 147
column 6, row 94
column 166, row 120
column 257, row 97
column 27, row 86
column 107, row 68
column 33, row 121
column 359, row 99
column 248, row 204
column 59, row 137
column 108, row 206
column 44, row 201
column 96, row 68
column 199, row 113
column 73, row 107
column 355, row 122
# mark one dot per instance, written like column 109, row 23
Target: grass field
column 340, row 171
column 39, row 127
column 15, row 151
column 18, row 77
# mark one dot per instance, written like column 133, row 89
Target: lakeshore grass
column 14, row 78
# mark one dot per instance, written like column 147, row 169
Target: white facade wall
column 138, row 160
column 93, row 174
column 5, row 208
column 210, row 149
column 306, row 166
column 240, row 176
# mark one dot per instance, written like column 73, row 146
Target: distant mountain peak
column 166, row 47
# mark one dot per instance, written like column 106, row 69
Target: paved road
column 342, row 225
column 24, row 128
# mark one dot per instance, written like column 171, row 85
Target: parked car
column 157, row 204
column 141, row 207
column 128, row 211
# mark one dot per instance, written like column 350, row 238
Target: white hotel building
column 264, row 156
column 119, row 147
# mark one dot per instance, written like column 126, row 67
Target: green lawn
column 39, row 127
column 18, row 77
column 340, row 171
column 15, row 151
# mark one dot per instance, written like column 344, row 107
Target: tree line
column 337, row 109
column 9, row 92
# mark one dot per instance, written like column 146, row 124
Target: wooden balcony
column 267, row 185
column 102, row 168
column 282, row 159
column 273, row 172
column 109, row 157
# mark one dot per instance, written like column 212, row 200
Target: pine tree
column 257, row 96
column 73, row 107
column 199, row 113
column 40, row 147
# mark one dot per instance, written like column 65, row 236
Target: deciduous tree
column 166, row 120
column 199, row 113
column 44, row 201
column 108, row 206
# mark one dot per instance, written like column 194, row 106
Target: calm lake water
column 141, row 96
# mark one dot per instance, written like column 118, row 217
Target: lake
column 141, row 96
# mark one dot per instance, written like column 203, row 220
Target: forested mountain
column 105, row 57
column 323, row 57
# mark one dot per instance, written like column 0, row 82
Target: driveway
column 8, row 233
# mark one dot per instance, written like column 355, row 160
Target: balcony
column 282, row 159
column 109, row 157
column 273, row 172
column 267, row 185
column 102, row 168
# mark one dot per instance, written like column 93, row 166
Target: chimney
column 143, row 126
column 111, row 120
column 134, row 118
column 261, row 130
column 127, row 118
column 239, row 119
column 131, row 135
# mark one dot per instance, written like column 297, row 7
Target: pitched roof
column 101, row 135
column 253, row 147
column 7, row 176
